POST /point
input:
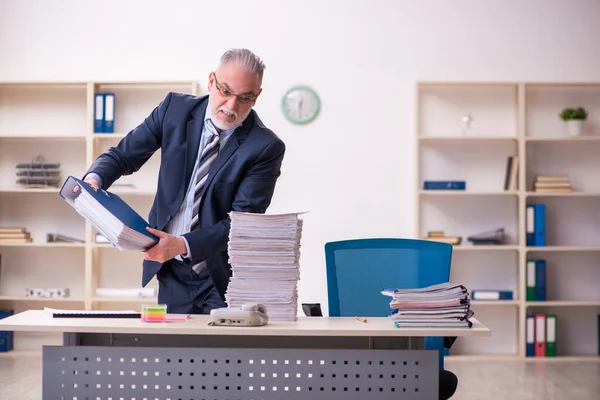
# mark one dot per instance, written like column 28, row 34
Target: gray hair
column 245, row 59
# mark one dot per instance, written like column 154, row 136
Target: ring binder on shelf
column 122, row 226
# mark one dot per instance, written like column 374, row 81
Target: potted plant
column 574, row 118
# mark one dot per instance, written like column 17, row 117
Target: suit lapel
column 231, row 146
column 194, row 133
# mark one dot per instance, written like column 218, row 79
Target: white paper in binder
column 122, row 226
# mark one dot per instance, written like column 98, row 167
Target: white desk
column 316, row 358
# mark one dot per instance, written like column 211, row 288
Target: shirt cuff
column 187, row 246
column 96, row 177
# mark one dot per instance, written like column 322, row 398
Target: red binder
column 540, row 335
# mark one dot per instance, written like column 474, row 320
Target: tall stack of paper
column 109, row 214
column 446, row 305
column 264, row 252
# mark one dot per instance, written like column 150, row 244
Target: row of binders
column 446, row 305
column 540, row 335
column 104, row 113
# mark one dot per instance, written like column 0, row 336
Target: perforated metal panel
column 119, row 373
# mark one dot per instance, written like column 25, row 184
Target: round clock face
column 300, row 104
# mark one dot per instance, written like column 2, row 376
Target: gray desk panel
column 96, row 372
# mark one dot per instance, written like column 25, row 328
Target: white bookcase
column 515, row 119
column 56, row 120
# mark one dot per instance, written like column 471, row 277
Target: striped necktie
column 207, row 159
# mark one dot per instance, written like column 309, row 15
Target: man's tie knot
column 212, row 127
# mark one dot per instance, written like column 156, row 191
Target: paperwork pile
column 264, row 252
column 109, row 215
column 446, row 305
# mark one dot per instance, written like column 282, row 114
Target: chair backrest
column 358, row 270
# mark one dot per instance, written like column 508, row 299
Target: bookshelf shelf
column 30, row 113
column 108, row 136
column 466, row 193
column 514, row 119
column 43, row 299
column 495, row 303
column 42, row 137
column 570, row 194
column 149, row 300
column 57, row 244
column 490, row 139
column 561, row 140
column 103, row 246
column 564, row 303
column 30, row 190
column 563, row 248
column 501, row 247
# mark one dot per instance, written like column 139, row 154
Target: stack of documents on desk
column 109, row 214
column 446, row 305
column 264, row 252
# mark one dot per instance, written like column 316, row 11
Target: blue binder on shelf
column 530, row 336
column 6, row 337
column 540, row 280
column 109, row 214
column 99, row 113
column 535, row 225
column 490, row 294
column 445, row 185
column 109, row 113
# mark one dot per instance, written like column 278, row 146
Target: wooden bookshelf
column 514, row 119
column 56, row 120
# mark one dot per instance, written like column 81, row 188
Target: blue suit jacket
column 242, row 178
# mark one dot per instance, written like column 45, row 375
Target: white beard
column 225, row 126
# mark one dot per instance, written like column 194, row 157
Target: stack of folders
column 264, row 252
column 446, row 305
column 109, row 214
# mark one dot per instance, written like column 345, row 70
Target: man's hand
column 168, row 246
column 93, row 183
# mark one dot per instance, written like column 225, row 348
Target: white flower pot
column 574, row 127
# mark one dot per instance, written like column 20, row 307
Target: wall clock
column 300, row 104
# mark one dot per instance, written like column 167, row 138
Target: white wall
column 354, row 167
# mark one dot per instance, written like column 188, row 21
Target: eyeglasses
column 244, row 98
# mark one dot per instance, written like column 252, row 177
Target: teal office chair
column 358, row 270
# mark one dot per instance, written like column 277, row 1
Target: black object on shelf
column 489, row 237
column 38, row 173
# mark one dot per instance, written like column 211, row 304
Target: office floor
column 20, row 378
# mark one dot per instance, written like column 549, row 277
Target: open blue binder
column 133, row 234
